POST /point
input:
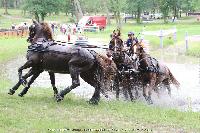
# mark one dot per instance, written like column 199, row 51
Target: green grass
column 38, row 111
column 194, row 49
column 185, row 24
column 191, row 28
column 10, row 48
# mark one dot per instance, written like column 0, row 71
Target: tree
column 40, row 8
column 137, row 7
column 117, row 6
column 78, row 10
column 89, row 6
column 68, row 7
column 5, row 2
column 165, row 8
column 105, row 6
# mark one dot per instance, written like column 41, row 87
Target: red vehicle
column 90, row 22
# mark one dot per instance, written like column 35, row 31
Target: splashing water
column 185, row 98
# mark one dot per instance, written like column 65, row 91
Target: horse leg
column 125, row 90
column 12, row 91
column 130, row 94
column 167, row 85
column 25, row 66
column 156, row 89
column 136, row 92
column 116, row 87
column 96, row 96
column 145, row 92
column 75, row 83
column 151, row 86
column 24, row 91
column 52, row 78
column 91, row 78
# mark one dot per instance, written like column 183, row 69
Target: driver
column 131, row 39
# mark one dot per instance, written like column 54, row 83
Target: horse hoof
column 11, row 92
column 93, row 102
column 59, row 98
column 133, row 100
column 55, row 95
column 20, row 95
column 150, row 102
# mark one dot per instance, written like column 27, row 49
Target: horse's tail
column 173, row 80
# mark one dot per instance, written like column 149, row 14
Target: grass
column 194, row 49
column 10, row 48
column 185, row 24
column 38, row 111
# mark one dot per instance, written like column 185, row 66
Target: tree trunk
column 78, row 10
column 119, row 25
column 138, row 15
column 105, row 3
column 37, row 17
column 43, row 16
column 115, row 15
column 6, row 7
column 176, row 12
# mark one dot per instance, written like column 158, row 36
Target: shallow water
column 185, row 98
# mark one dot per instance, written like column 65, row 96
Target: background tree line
column 77, row 8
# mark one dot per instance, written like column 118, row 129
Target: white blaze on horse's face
column 115, row 45
column 134, row 52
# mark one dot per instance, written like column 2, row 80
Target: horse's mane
column 107, row 65
column 47, row 31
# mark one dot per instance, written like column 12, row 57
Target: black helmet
column 130, row 33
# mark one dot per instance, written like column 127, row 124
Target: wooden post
column 142, row 34
column 161, row 38
column 175, row 37
column 186, row 41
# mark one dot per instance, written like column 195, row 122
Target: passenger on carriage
column 131, row 39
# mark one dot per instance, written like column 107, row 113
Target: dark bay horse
column 125, row 67
column 56, row 58
column 152, row 73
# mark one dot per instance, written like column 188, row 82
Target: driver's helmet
column 130, row 33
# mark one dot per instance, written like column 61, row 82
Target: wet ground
column 185, row 69
column 185, row 98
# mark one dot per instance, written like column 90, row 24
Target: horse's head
column 116, row 44
column 33, row 30
column 136, row 50
column 39, row 30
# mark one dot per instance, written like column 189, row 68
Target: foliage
column 138, row 6
column 117, row 6
column 40, row 8
column 89, row 6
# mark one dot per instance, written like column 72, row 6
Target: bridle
column 32, row 33
column 133, row 52
column 117, row 46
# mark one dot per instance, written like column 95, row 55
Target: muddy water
column 185, row 98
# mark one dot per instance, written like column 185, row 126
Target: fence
column 4, row 33
column 161, row 34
